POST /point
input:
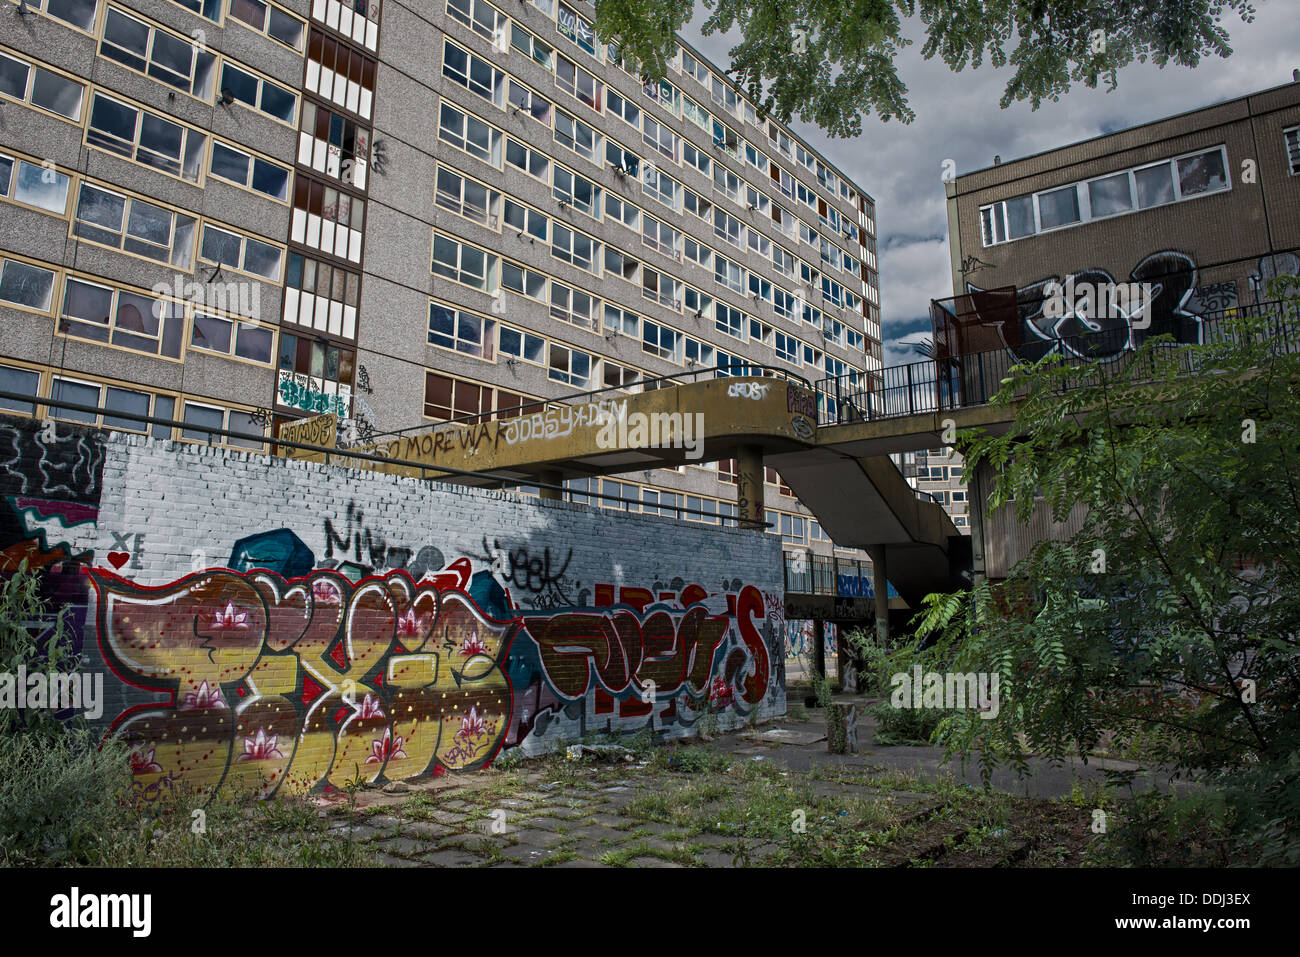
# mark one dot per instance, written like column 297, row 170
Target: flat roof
column 1129, row 129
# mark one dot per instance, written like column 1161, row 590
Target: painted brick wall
column 263, row 621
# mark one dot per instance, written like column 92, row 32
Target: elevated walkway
column 861, row 500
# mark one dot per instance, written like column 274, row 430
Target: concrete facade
column 354, row 157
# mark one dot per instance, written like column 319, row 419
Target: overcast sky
column 958, row 118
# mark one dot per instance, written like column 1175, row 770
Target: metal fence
column 944, row 383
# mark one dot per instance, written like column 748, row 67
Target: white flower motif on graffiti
column 260, row 747
column 230, row 618
column 204, row 697
column 389, row 747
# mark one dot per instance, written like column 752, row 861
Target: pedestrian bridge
column 842, row 473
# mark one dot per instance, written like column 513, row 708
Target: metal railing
column 719, row 371
column 947, row 383
column 251, row 439
column 808, row 574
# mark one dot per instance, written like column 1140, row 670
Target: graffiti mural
column 1172, row 277
column 352, row 647
column 303, row 682
column 313, row 682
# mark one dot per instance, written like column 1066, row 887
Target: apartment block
column 238, row 212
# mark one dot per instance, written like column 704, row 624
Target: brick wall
column 261, row 620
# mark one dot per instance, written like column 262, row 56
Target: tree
column 1171, row 619
column 832, row 61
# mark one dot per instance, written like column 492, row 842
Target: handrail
column 967, row 381
column 475, row 417
column 509, row 481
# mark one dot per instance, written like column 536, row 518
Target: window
column 1058, row 208
column 163, row 56
column 1106, row 196
column 621, row 265
column 622, row 159
column 730, row 320
column 29, row 185
column 271, row 20
column 729, row 274
column 660, row 288
column 241, row 253
column 522, row 345
column 470, row 134
column 32, row 84
column 525, row 220
column 575, row 248
column 577, row 82
column 327, row 219
column 755, row 157
column 31, row 287
column 621, row 321
column 576, row 135
column 615, row 376
column 624, row 109
column 465, row 197
column 1291, row 138
column 572, row 190
column 448, row 398
column 108, row 315
column 693, row 156
column 660, row 139
column 661, row 186
column 339, row 73
column 79, row 13
column 146, row 138
column 524, row 281
column 699, row 253
column 622, row 211
column 461, row 331
column 244, row 340
column 699, row 305
column 531, row 46
column 577, row 29
column 200, row 418
column 697, row 114
column 463, row 263
column 787, row 347
column 661, row 341
column 476, row 75
column 521, row 99
column 573, row 306
column 483, row 18
column 728, row 183
column 1201, row 173
column 663, row 93
column 697, row 205
column 135, row 226
column 569, row 365
column 529, row 160
column 698, row 353
column 661, row 237
column 259, row 94
column 728, row 227
column 331, row 143
column 726, row 139
column 23, row 382
column 321, row 296
column 251, row 172
column 783, row 261
column 1126, row 191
